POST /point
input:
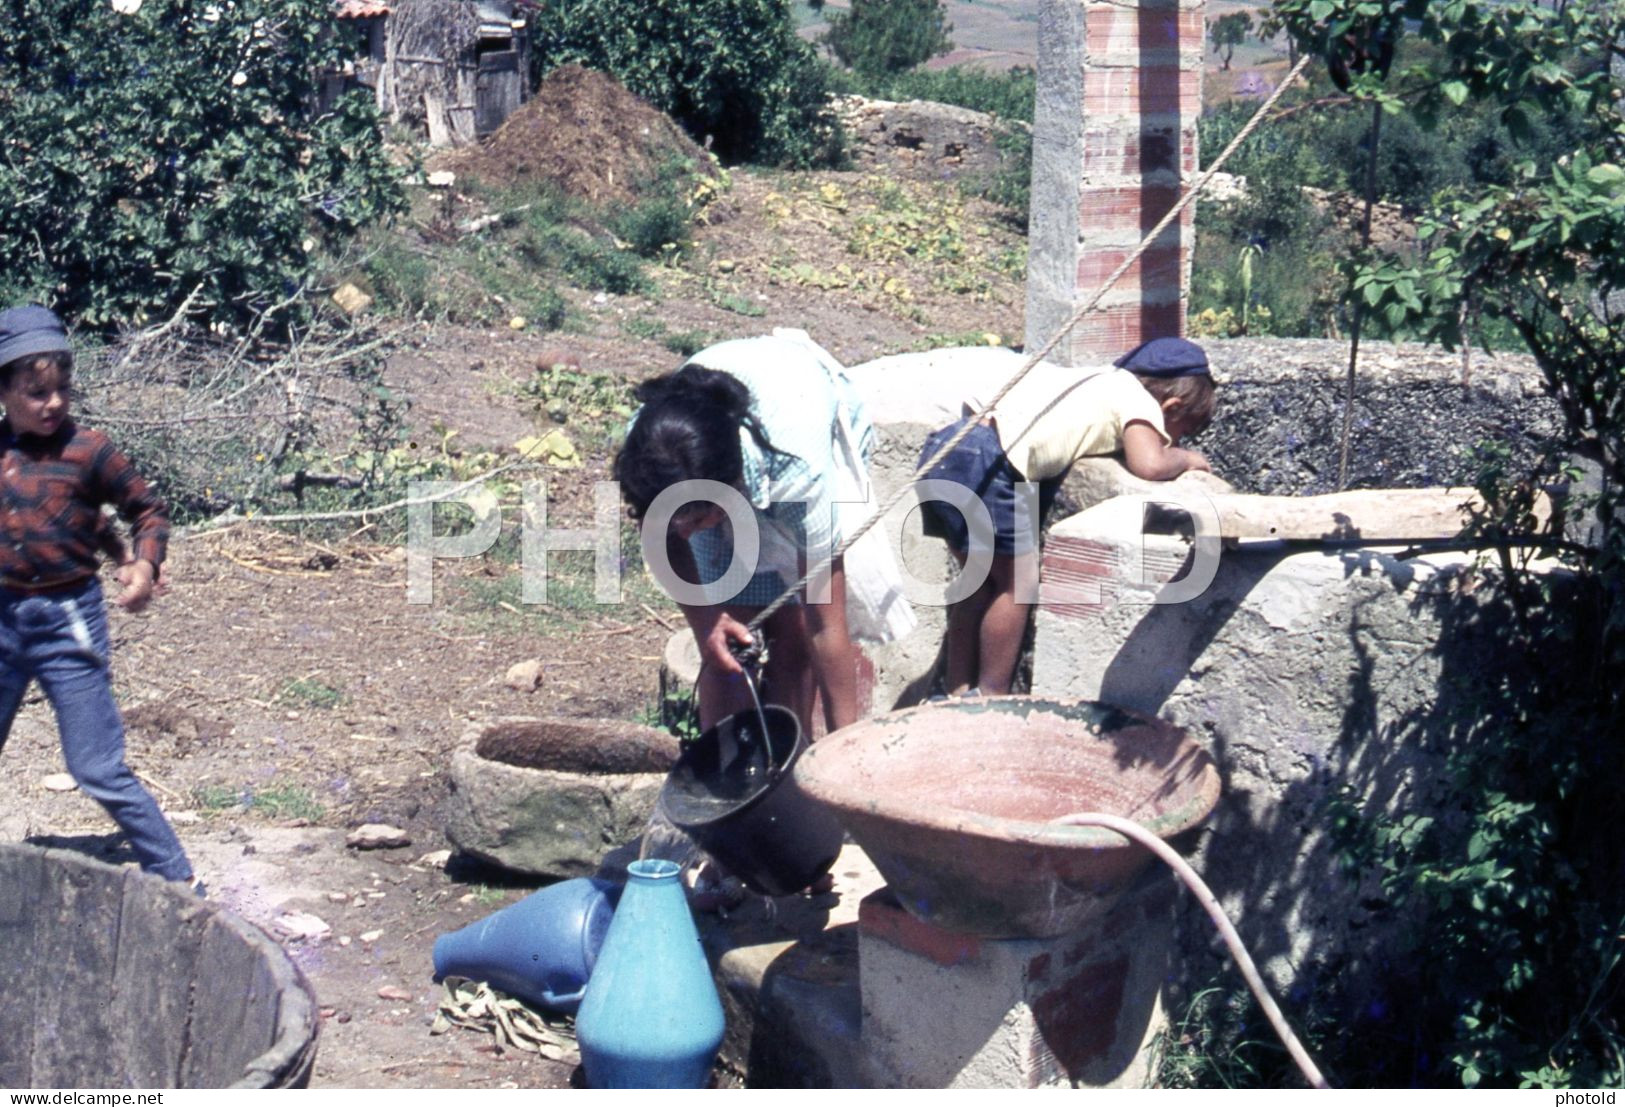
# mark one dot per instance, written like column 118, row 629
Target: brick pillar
column 1114, row 135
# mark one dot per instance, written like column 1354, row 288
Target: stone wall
column 1312, row 675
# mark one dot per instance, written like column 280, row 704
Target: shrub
column 889, row 36
column 733, row 73
column 172, row 155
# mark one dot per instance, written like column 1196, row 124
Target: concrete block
column 946, row 1010
column 787, row 971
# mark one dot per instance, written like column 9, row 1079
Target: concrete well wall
column 1311, row 675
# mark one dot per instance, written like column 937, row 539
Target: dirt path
column 285, row 692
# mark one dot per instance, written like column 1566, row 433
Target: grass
column 681, row 343
column 487, row 896
column 277, row 800
column 310, row 692
column 529, row 240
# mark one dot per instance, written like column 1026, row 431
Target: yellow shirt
column 1058, row 414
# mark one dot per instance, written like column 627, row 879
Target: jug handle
column 557, row 1000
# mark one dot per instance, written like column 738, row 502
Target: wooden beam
column 1378, row 515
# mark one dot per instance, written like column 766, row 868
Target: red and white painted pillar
column 1114, row 138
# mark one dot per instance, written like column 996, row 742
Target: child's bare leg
column 1004, row 625
column 964, row 634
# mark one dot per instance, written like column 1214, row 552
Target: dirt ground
column 284, row 692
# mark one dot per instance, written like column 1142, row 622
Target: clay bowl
column 954, row 802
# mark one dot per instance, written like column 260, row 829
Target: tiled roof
column 361, row 9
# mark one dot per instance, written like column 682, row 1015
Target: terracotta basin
column 953, row 803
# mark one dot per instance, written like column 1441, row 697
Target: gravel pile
column 1278, row 427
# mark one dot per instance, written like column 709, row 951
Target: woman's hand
column 714, row 640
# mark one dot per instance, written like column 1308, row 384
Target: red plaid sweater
column 51, row 493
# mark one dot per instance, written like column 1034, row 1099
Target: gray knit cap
column 31, row 330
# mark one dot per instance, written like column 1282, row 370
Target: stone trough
column 551, row 796
column 116, row 979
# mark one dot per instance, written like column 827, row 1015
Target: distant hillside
column 998, row 34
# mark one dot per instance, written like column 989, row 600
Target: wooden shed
column 454, row 68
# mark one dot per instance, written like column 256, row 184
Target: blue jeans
column 61, row 640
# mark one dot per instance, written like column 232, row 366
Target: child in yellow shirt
column 1159, row 392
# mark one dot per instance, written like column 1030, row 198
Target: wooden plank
column 233, row 1007
column 77, row 950
column 1376, row 515
column 22, row 875
column 159, row 945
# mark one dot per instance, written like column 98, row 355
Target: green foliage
column 1268, row 258
column 310, row 692
column 1509, row 894
column 173, row 155
column 275, row 800
column 514, row 266
column 889, row 36
column 1228, row 32
column 730, row 72
column 593, row 406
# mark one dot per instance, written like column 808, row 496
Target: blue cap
column 31, row 330
column 1165, row 357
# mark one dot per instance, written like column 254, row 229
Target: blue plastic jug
column 651, row 1018
column 541, row 950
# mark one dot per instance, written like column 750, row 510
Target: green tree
column 167, row 152
column 1229, row 32
column 732, row 73
column 876, row 37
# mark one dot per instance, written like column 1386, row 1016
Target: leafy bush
column 1510, row 973
column 173, row 155
column 733, row 73
column 889, row 36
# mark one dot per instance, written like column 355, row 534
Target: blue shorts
column 978, row 463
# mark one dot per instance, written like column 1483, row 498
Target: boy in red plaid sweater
column 54, row 478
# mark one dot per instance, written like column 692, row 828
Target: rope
column 1044, row 351
column 1210, row 903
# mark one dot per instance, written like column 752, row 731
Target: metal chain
column 1043, row 351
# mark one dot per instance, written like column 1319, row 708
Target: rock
column 389, row 991
column 377, row 836
column 550, row 797
column 184, row 818
column 58, row 782
column 555, row 358
column 373, row 936
column 303, row 925
column 350, row 299
column 338, row 897
column 525, row 676
column 922, row 139
column 435, row 860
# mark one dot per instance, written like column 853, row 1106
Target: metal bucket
column 733, row 792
